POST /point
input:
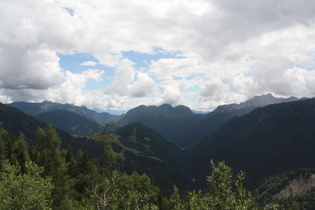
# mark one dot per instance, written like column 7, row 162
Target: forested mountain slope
column 166, row 120
column 70, row 121
column 185, row 128
column 148, row 152
column 268, row 140
column 145, row 151
column 17, row 123
column 211, row 122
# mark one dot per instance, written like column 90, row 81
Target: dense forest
column 44, row 176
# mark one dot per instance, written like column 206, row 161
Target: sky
column 119, row 54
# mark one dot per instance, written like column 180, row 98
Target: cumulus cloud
column 231, row 50
column 177, row 67
column 27, row 60
column 213, row 88
column 24, row 68
column 124, row 75
column 71, row 90
column 171, row 94
column 88, row 63
column 143, row 87
column 94, row 74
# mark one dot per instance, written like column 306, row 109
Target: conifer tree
column 5, row 144
column 20, row 153
column 109, row 159
column 54, row 164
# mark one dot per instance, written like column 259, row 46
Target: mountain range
column 35, row 109
column 263, row 136
column 145, row 150
column 177, row 124
column 71, row 122
column 185, row 128
column 267, row 141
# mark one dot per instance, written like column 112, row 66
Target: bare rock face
column 298, row 186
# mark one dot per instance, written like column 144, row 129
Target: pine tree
column 54, row 164
column 20, row 153
column 109, row 159
column 5, row 144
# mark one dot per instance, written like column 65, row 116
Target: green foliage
column 53, row 161
column 175, row 200
column 78, row 183
column 121, row 191
column 110, row 160
column 223, row 193
column 5, row 144
column 49, row 145
column 24, row 190
column 20, row 153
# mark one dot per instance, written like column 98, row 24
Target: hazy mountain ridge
column 34, row 109
column 256, row 101
column 70, row 121
column 177, row 124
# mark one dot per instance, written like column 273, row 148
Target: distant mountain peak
column 256, row 101
column 183, row 109
column 35, row 109
column 166, row 107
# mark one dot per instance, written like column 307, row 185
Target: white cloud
column 110, row 59
column 213, row 88
column 177, row 67
column 170, row 95
column 28, row 68
column 143, row 87
column 94, row 74
column 236, row 49
column 88, row 63
column 124, row 75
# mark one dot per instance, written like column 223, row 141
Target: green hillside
column 17, row 123
column 144, row 149
column 166, row 120
column 148, row 152
column 267, row 141
column 71, row 122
